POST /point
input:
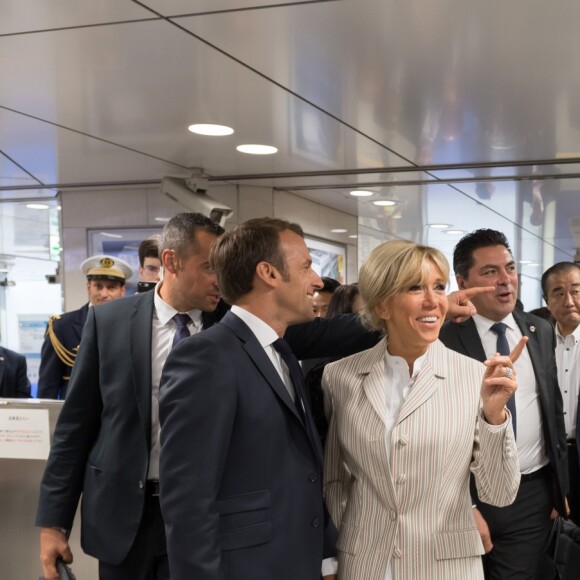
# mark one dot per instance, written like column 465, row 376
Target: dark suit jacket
column 464, row 338
column 102, row 439
column 54, row 374
column 241, row 474
column 14, row 382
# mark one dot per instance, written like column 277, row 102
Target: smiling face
column 492, row 266
column 414, row 316
column 563, row 299
column 295, row 291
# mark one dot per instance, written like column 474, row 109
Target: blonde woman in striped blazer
column 409, row 420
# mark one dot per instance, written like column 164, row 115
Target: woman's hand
column 499, row 384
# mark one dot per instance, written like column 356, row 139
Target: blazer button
column 402, row 479
column 397, row 553
column 312, row 478
column 315, row 523
column 393, row 515
column 141, row 484
column 403, row 441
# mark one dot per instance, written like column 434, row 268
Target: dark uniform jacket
column 13, row 380
column 59, row 351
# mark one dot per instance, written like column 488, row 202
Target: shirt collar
column 265, row 334
column 484, row 324
column 575, row 334
column 165, row 312
column 390, row 361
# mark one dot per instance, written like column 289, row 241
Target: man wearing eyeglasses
column 561, row 290
column 149, row 262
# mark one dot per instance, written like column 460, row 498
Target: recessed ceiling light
column 339, row 231
column 454, row 232
column 385, row 202
column 211, row 130
column 438, row 226
column 162, row 219
column 353, row 236
column 361, row 193
column 257, row 149
column 37, row 206
column 525, row 262
column 108, row 235
column 59, row 207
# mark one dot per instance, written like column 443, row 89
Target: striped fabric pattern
column 415, row 511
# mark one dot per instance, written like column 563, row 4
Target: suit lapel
column 533, row 346
column 426, row 384
column 260, row 359
column 374, row 382
column 469, row 338
column 140, row 323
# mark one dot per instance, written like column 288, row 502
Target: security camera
column 192, row 195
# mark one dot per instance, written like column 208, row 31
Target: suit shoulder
column 359, row 362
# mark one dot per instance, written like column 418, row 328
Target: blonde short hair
column 394, row 267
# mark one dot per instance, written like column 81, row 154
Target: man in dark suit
column 14, row 382
column 106, row 442
column 514, row 536
column 106, row 278
column 561, row 290
column 241, row 463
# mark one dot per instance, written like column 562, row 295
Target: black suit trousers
column 519, row 532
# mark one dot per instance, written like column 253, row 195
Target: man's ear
column 170, row 261
column 268, row 274
column 461, row 282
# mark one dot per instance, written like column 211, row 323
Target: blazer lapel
column 140, row 317
column 534, row 348
column 260, row 359
column 374, row 382
column 469, row 338
column 426, row 384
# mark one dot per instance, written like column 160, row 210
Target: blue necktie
column 182, row 320
column 504, row 349
column 294, row 370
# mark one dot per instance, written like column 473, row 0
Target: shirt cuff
column 329, row 566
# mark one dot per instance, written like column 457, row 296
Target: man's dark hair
column 329, row 285
column 559, row 268
column 179, row 233
column 483, row 238
column 148, row 248
column 237, row 253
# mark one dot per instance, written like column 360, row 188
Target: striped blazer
column 416, row 510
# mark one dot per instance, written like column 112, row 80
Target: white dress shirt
column 568, row 362
column 162, row 331
column 530, row 435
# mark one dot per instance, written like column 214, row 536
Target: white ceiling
column 416, row 90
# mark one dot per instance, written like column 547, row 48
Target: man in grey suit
column 514, row 536
column 106, row 442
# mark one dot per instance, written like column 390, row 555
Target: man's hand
column 483, row 530
column 460, row 306
column 53, row 544
column 555, row 512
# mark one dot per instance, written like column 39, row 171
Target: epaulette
column 66, row 356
